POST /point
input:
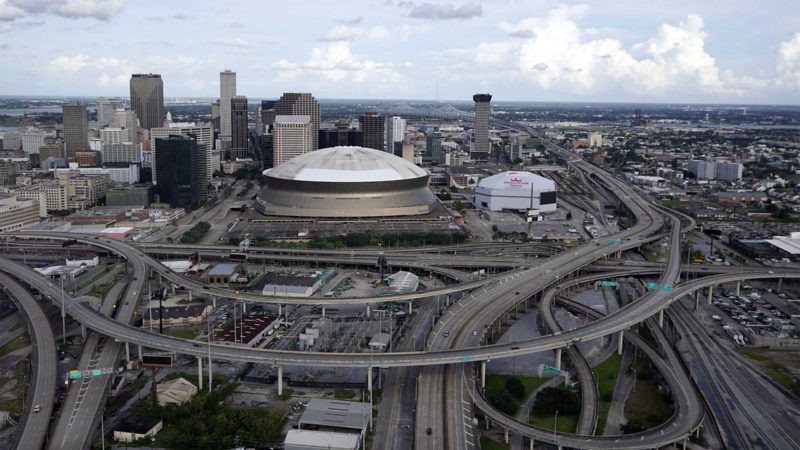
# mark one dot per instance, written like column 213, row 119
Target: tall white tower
column 227, row 90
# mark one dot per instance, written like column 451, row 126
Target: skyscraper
column 372, row 125
column 266, row 115
column 106, row 108
column 728, row 171
column 147, row 99
column 227, row 90
column 301, row 104
column 395, row 131
column 292, row 136
column 202, row 134
column 215, row 115
column 76, row 128
column 181, row 179
column 239, row 147
column 479, row 151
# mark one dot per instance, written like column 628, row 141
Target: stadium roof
column 515, row 179
column 347, row 164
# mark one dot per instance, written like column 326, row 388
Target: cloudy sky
column 729, row 51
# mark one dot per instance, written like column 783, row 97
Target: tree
column 504, row 402
column 453, row 189
column 552, row 399
column 517, row 161
column 458, row 205
column 515, row 387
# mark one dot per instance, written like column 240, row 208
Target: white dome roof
column 517, row 180
column 346, row 164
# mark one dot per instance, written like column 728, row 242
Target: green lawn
column 488, row 443
column 647, row 405
column 183, row 333
column 775, row 363
column 566, row 424
column 14, row 344
column 496, row 383
column 607, row 373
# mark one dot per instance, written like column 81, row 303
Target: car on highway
column 37, row 408
column 446, row 334
column 515, row 348
column 428, row 431
column 474, row 333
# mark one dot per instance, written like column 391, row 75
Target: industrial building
column 346, row 182
column 290, row 285
column 336, row 416
column 519, row 191
column 247, row 330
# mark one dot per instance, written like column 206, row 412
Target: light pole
column 555, row 427
column 63, row 314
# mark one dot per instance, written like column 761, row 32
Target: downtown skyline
column 719, row 52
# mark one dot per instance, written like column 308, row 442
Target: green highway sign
column 551, row 369
column 74, row 374
column 652, row 285
column 613, row 241
column 608, row 283
column 666, row 288
column 96, row 372
column 467, row 358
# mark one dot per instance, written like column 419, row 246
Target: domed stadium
column 346, row 182
column 516, row 191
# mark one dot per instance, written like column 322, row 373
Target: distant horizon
column 399, row 100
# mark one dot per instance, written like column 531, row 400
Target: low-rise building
column 176, row 314
column 739, row 198
column 135, row 428
column 224, row 273
column 175, row 392
column 15, row 214
column 248, row 330
column 322, row 440
column 336, row 416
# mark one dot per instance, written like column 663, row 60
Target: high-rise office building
column 106, row 108
column 266, row 116
column 480, row 151
column 728, row 171
column 114, row 135
column 239, row 144
column 227, row 90
column 76, row 128
column 292, row 136
column 372, row 127
column 182, row 165
column 202, row 134
column 301, row 104
column 215, row 115
column 434, row 147
column 342, row 134
column 124, row 118
column 147, row 99
column 122, row 153
column 395, row 131
column 702, row 170
column 32, row 141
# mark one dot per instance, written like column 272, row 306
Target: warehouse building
column 518, row 191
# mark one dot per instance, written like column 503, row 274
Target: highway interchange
column 448, row 390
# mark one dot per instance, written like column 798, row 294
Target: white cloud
column 336, row 63
column 445, row 11
column 353, row 21
column 109, row 71
column 228, row 42
column 23, row 13
column 788, row 64
column 349, row 33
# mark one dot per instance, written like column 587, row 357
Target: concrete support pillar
column 369, row 381
column 280, row 380
column 531, row 447
column 620, row 343
column 696, row 300
column 323, row 312
column 780, row 284
column 506, row 436
column 127, row 351
column 558, row 358
column 368, row 309
column 244, row 308
column 214, row 302
column 410, row 307
column 684, row 444
column 661, row 319
column 210, row 375
column 738, row 288
column 199, row 373
column 190, row 295
column 697, row 432
column 710, row 294
column 173, row 289
column 83, row 332
column 280, row 310
column 140, row 352
column 483, row 375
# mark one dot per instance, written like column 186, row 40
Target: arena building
column 519, row 191
column 347, row 182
